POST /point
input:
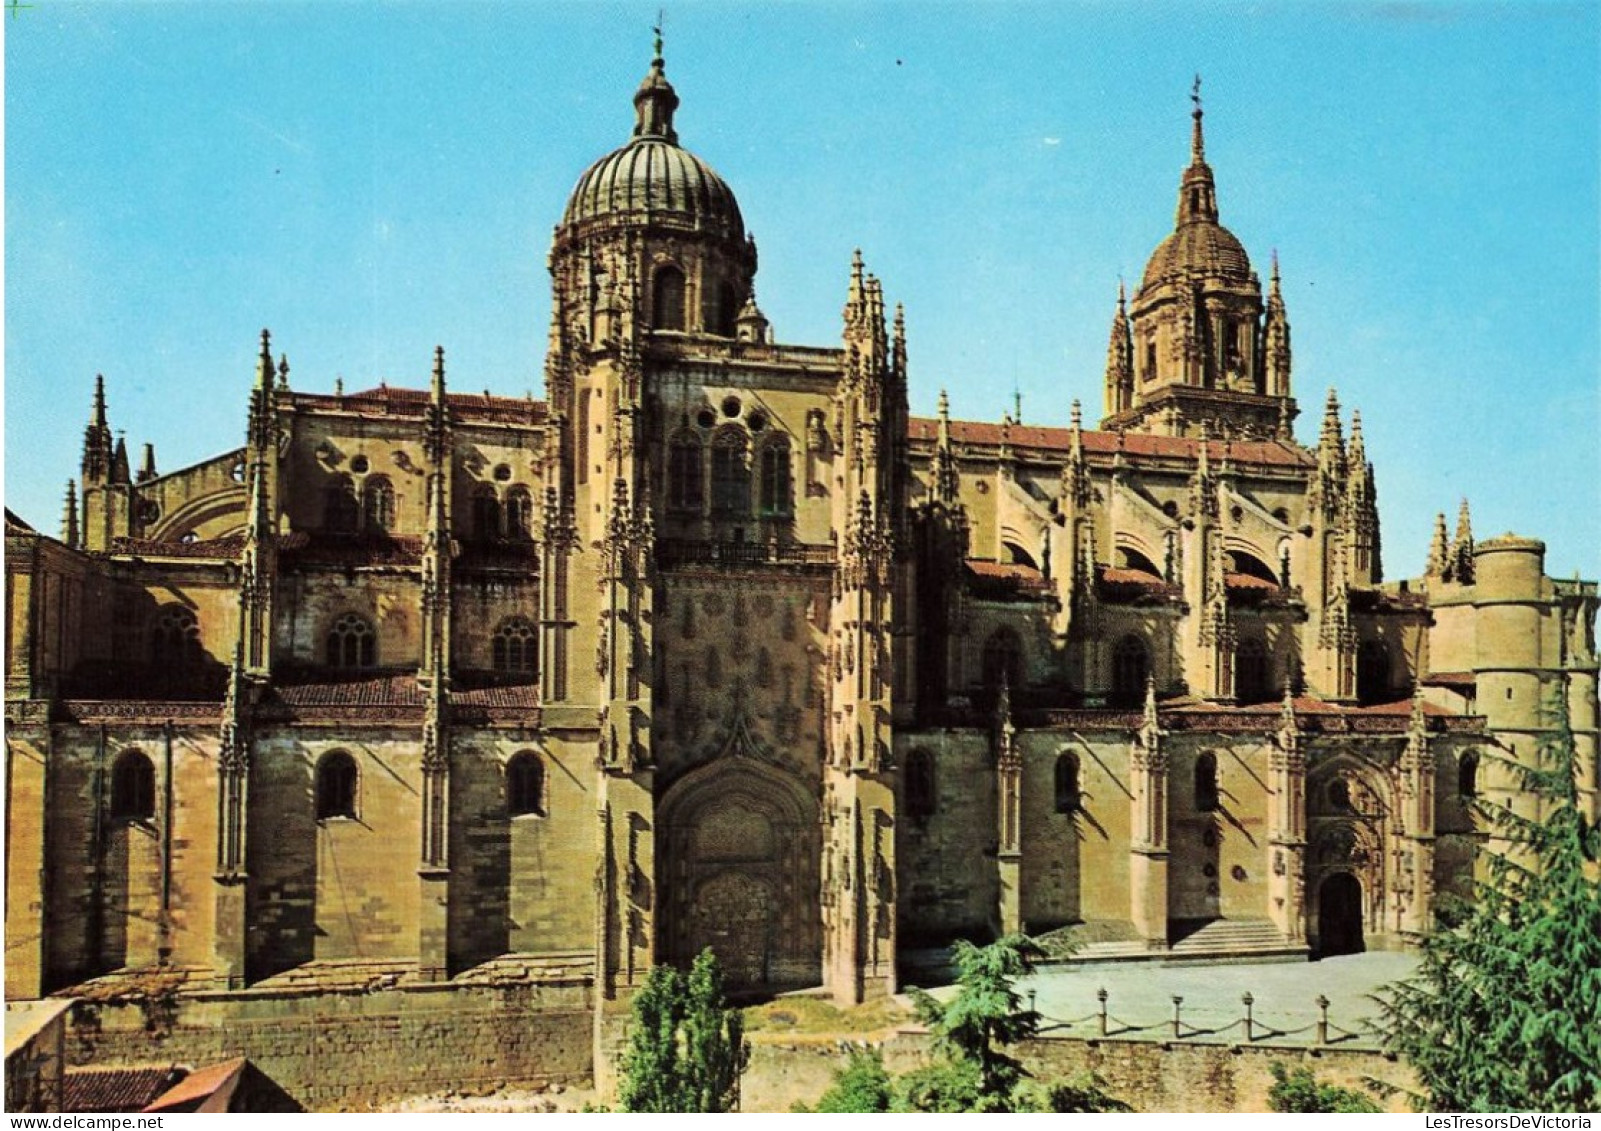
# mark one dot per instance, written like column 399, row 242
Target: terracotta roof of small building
column 1271, row 453
column 321, row 548
column 115, row 1089
column 1462, row 681
column 215, row 1082
column 336, row 689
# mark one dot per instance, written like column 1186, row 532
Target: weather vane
column 1195, row 92
column 661, row 18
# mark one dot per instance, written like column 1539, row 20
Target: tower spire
column 69, row 516
column 655, row 100
column 1439, row 549
column 1197, row 191
column 1197, row 138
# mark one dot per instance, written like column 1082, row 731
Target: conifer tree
column 687, row 1047
column 1504, row 1013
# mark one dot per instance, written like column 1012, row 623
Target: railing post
column 1178, row 1000
column 1100, row 996
column 1250, row 1027
column 1322, row 1020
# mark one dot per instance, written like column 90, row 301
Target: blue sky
column 370, row 180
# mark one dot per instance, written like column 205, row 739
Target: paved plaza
column 1140, row 998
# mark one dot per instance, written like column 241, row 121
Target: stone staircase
column 1230, row 940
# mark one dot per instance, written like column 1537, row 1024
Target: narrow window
column 486, row 513
column 669, row 301
column 684, row 474
column 1251, row 681
column 351, row 643
column 1003, row 660
column 336, row 785
column 1067, row 791
column 513, row 646
column 379, row 502
column 920, row 794
column 133, row 787
column 1131, row 666
column 1467, row 775
column 340, row 511
column 520, row 514
column 1206, row 782
column 775, row 479
column 730, row 475
column 1373, row 672
column 525, row 785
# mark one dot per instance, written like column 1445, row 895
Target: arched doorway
column 740, row 842
column 1339, row 915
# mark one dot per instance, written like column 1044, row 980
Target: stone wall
column 355, row 1051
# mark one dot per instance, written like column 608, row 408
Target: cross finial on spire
column 1195, row 92
column 1197, row 141
column 661, row 18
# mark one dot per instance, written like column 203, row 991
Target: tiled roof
column 193, row 1091
column 115, row 1089
column 224, row 548
column 15, row 525
column 365, row 689
column 515, row 695
column 1457, row 681
column 395, row 401
column 352, row 549
column 1135, row 444
column 1233, row 580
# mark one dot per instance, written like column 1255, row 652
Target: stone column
column 1148, row 847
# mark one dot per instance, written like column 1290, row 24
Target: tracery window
column 341, row 513
column 515, row 646
column 175, row 639
column 520, row 514
column 379, row 503
column 486, row 512
column 525, row 785
column 1251, row 678
column 685, row 473
column 1206, row 798
column 133, row 787
column 1131, row 668
column 776, row 487
column 919, row 782
column 336, row 785
column 1068, row 796
column 730, row 474
column 352, row 643
column 1372, row 672
column 668, row 307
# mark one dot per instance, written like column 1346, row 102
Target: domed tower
column 652, row 238
column 1206, row 352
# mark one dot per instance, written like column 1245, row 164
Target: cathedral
column 718, row 646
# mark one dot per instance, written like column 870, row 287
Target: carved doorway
column 739, row 844
column 1340, row 915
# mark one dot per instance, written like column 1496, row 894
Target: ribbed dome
column 1199, row 247
column 651, row 174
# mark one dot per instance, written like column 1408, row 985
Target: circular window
column 1209, row 870
column 359, row 465
column 502, row 472
column 1238, row 873
column 237, row 471
column 1171, row 509
column 1236, row 513
column 149, row 511
column 1282, row 515
column 189, row 538
column 707, row 418
column 731, row 407
column 757, row 421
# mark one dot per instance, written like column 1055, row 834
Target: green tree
column 687, row 1048
column 863, row 1085
column 1502, row 1013
column 1297, row 1090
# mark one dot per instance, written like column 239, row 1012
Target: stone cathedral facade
column 716, row 645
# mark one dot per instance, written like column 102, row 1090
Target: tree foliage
column 862, row 1086
column 1502, row 1013
column 687, row 1048
column 1297, row 1090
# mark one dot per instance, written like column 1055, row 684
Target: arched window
column 1206, row 782
column 1252, row 682
column 775, row 478
column 379, row 502
column 720, row 307
column 920, row 793
column 486, row 512
column 1373, row 672
column 1003, row 660
column 133, row 787
column 1131, row 667
column 525, row 785
column 175, row 639
column 1067, row 791
column 1467, row 774
column 341, row 513
column 730, row 474
column 520, row 514
column 351, row 643
column 336, row 785
column 668, row 308
column 685, row 471
column 514, row 646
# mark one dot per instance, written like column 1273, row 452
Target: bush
column 1297, row 1090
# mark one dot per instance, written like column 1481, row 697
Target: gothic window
column 1067, row 791
column 379, row 495
column 520, row 514
column 1251, row 678
column 1150, row 359
column 336, row 786
column 513, row 646
column 1206, row 782
column 668, row 310
column 776, row 478
column 730, row 474
column 351, row 643
column 525, row 785
column 919, row 780
column 685, row 468
column 175, row 639
column 341, row 513
column 1467, row 775
column 721, row 308
column 1131, row 667
column 133, row 787
column 1003, row 660
column 1372, row 672
column 486, row 512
